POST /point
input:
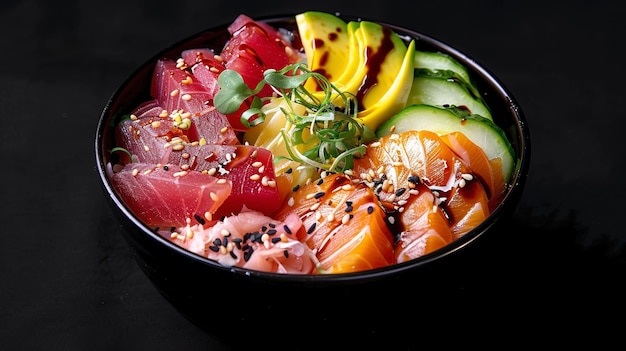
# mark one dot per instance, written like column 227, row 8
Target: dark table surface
column 67, row 278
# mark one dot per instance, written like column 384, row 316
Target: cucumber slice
column 442, row 120
column 441, row 89
column 441, row 61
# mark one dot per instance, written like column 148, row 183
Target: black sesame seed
column 232, row 254
column 263, row 228
column 199, row 219
column 400, row 191
column 217, row 242
column 319, row 194
column 271, row 232
column 272, row 225
column 214, row 248
column 286, row 253
column 275, row 240
column 295, row 188
column 311, row 228
column 289, row 170
column 414, row 179
column 166, row 168
column 247, row 254
column 349, row 208
column 320, row 181
column 370, row 209
column 286, row 228
column 237, row 242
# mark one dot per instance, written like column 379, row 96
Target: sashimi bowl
column 312, row 171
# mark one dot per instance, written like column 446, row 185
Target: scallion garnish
column 329, row 130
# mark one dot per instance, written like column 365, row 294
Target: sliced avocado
column 396, row 95
column 381, row 53
column 443, row 120
column 325, row 42
column 444, row 88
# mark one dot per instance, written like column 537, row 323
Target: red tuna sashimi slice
column 142, row 140
column 177, row 90
column 272, row 33
column 151, row 135
column 253, row 48
column 150, row 108
column 212, row 127
column 205, row 66
column 250, row 169
column 166, row 196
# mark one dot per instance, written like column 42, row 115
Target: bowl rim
column 477, row 70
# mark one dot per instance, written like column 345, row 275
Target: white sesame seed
column 467, row 176
column 345, row 219
column 186, row 97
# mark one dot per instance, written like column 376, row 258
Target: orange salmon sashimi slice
column 397, row 163
column 425, row 227
column 488, row 171
column 343, row 224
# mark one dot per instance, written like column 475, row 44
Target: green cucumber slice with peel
column 443, row 88
column 440, row 61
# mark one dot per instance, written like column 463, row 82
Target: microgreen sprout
column 329, row 130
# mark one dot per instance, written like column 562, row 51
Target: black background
column 68, row 280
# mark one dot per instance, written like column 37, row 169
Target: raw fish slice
column 250, row 240
column 489, row 172
column 250, row 170
column 253, row 48
column 467, row 207
column 213, row 127
column 205, row 66
column 177, row 90
column 141, row 139
column 150, row 108
column 269, row 44
column 152, row 138
column 398, row 161
column 343, row 224
column 424, row 226
column 166, row 196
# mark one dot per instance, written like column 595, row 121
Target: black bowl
column 433, row 292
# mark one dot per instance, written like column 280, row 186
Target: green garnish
column 331, row 133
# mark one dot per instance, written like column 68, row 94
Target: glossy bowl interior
column 224, row 300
